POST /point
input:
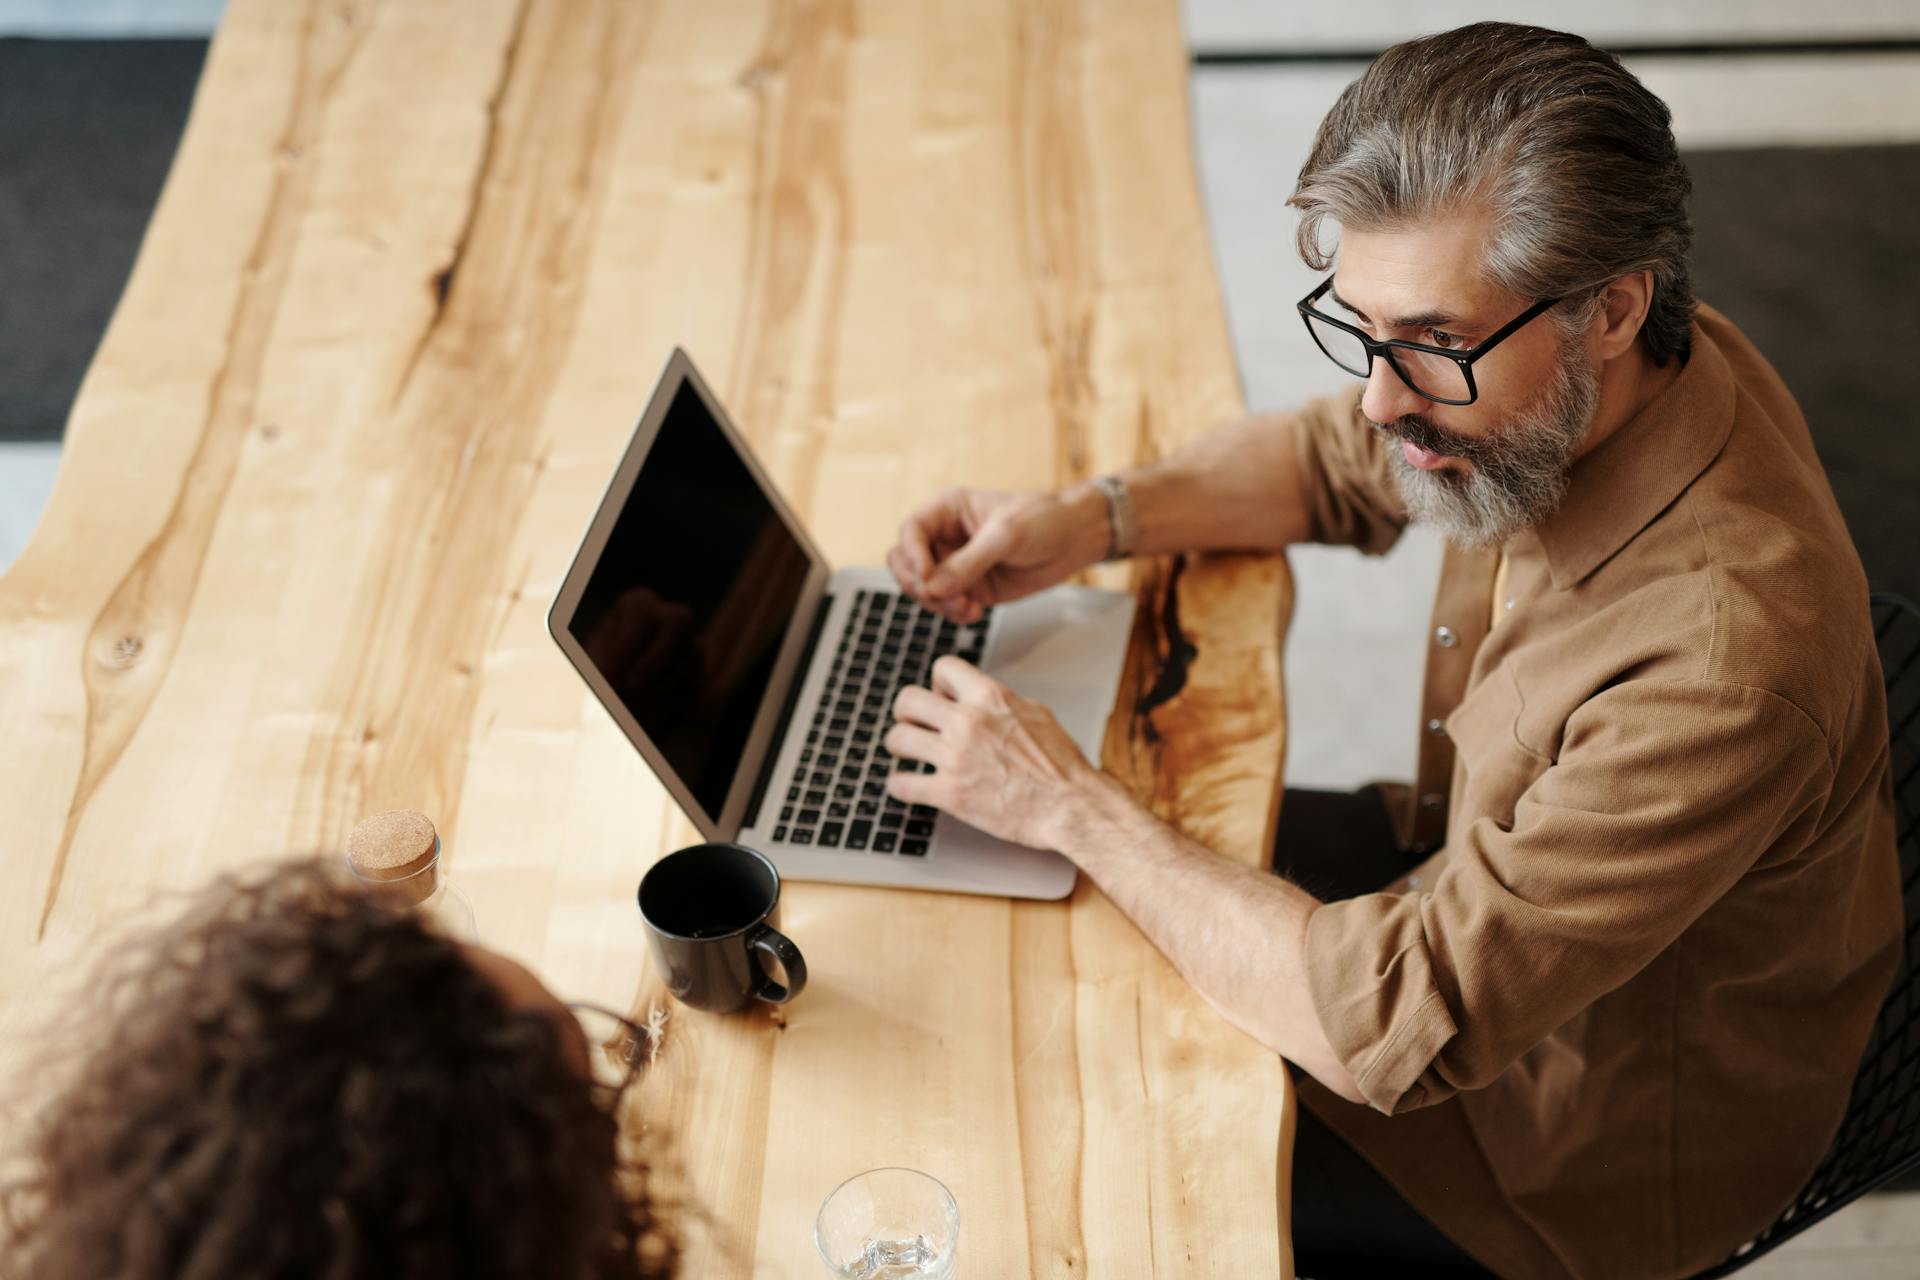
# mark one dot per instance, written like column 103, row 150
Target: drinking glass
column 618, row 1048
column 889, row 1224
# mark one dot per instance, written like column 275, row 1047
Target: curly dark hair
column 297, row 1081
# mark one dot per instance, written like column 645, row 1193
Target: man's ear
column 1624, row 307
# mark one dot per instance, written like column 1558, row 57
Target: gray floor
column 88, row 129
column 27, row 469
column 26, row 479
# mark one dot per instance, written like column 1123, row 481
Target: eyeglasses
column 617, row 1047
column 1434, row 373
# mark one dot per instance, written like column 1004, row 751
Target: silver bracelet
column 1124, row 530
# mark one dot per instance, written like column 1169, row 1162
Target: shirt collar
column 1634, row 474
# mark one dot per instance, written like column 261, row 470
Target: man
column 296, row 1080
column 1608, row 1028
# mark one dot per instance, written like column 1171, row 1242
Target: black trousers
column 1348, row 1221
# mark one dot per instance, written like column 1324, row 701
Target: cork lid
column 393, row 845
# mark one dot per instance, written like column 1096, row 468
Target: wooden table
column 407, row 288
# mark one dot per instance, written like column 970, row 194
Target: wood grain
column 410, row 281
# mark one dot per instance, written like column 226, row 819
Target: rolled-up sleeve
column 1348, row 489
column 1662, row 795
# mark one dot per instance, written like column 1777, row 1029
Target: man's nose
column 1388, row 396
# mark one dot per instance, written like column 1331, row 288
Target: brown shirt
column 1609, row 1028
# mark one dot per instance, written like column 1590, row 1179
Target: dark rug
column 87, row 131
column 1810, row 250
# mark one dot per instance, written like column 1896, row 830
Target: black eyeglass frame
column 1385, row 349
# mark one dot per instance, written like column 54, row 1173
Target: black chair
column 1879, row 1139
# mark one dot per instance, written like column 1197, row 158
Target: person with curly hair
column 296, row 1080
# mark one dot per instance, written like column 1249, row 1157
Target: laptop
column 757, row 680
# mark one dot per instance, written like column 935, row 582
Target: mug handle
column 777, row 945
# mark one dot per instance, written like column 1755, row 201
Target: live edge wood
column 411, row 278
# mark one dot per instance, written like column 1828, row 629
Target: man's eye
column 1441, row 338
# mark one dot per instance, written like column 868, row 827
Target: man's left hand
column 1003, row 763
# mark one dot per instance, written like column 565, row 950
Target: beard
column 1519, row 470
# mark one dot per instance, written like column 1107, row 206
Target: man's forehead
column 1415, row 275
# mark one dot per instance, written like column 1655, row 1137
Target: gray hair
column 1573, row 158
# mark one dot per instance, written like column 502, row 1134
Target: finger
column 939, row 518
column 913, row 547
column 911, row 742
column 915, row 788
column 981, row 552
column 945, row 608
column 961, row 681
column 915, row 705
column 903, row 573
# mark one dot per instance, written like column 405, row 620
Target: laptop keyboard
column 837, row 797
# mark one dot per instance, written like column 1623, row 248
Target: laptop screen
column 687, row 604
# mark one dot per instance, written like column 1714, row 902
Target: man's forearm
column 1236, row 933
column 1237, row 487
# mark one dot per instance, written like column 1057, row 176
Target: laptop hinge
column 786, row 711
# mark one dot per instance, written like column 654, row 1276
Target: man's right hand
column 969, row 548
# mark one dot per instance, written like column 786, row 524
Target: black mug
column 710, row 912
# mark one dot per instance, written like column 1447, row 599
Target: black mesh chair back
column 1879, row 1139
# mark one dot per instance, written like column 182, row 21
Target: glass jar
column 397, row 855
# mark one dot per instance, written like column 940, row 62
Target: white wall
column 109, row 18
column 1225, row 25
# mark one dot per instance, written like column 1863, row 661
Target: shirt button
column 1413, row 882
column 1444, row 637
column 1432, row 800
column 1509, row 602
column 1436, row 727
